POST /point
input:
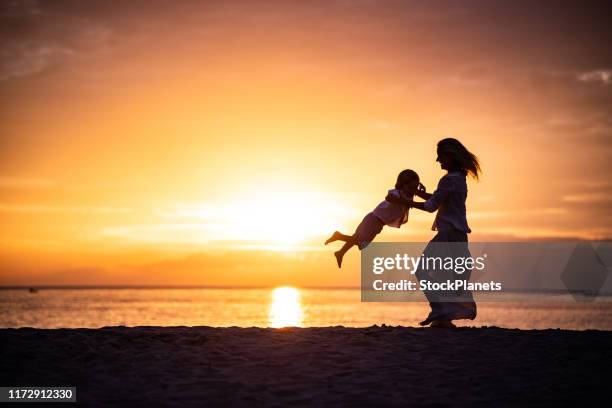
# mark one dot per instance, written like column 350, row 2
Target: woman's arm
column 433, row 202
column 419, row 206
column 410, row 204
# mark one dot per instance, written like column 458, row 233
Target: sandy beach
column 390, row 366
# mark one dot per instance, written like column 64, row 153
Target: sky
column 220, row 143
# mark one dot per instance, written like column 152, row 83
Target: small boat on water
column 33, row 290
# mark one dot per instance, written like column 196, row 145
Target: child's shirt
column 392, row 214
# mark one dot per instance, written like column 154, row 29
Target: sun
column 286, row 217
column 283, row 218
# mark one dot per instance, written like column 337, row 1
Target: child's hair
column 464, row 159
column 406, row 176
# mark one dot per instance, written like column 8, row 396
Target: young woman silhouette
column 451, row 225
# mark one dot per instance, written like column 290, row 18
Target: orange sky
column 220, row 143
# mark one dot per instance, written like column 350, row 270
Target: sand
column 382, row 366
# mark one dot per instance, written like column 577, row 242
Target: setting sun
column 282, row 218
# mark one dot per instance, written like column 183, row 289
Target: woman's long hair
column 466, row 160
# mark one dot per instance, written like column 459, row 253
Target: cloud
column 27, row 183
column 595, row 183
column 603, row 77
column 380, row 124
column 45, row 209
column 166, row 233
column 548, row 234
column 595, row 197
column 471, row 76
column 35, row 38
column 9, row 183
column 26, row 58
column 517, row 213
column 590, row 128
column 19, row 8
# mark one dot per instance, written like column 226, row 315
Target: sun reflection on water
column 286, row 308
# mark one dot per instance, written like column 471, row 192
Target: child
column 386, row 213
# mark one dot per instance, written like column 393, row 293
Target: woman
column 452, row 227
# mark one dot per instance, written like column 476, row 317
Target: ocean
column 276, row 307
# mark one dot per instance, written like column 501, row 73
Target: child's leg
column 348, row 245
column 367, row 229
column 338, row 236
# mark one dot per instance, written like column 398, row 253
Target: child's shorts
column 367, row 229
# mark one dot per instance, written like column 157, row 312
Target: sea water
column 276, row 307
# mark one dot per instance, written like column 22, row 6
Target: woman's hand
column 422, row 192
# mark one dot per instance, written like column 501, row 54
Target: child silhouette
column 386, row 213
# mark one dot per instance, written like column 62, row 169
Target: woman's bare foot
column 334, row 237
column 339, row 255
column 443, row 324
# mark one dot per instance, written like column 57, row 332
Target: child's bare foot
column 339, row 255
column 334, row 237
